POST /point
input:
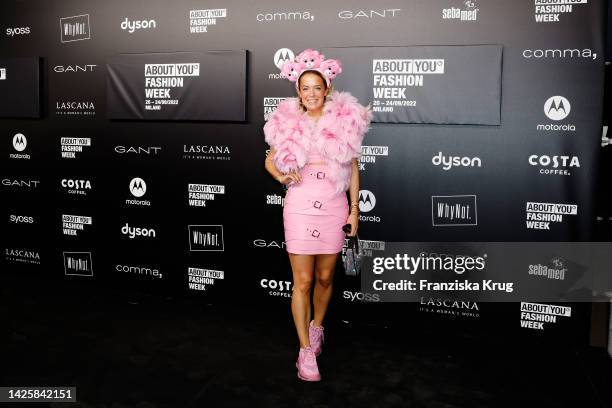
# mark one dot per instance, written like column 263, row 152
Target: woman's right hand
column 289, row 178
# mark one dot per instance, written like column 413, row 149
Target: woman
column 315, row 142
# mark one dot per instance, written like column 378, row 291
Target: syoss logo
column 360, row 296
column 21, row 219
column 17, row 31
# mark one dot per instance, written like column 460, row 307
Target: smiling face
column 312, row 91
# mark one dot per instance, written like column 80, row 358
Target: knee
column 303, row 285
column 324, row 280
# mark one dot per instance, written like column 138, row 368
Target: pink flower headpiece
column 311, row 60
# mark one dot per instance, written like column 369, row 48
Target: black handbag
column 352, row 255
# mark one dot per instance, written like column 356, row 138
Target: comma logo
column 557, row 107
column 138, row 187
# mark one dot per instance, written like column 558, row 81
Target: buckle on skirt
column 315, row 233
column 317, row 204
column 320, row 175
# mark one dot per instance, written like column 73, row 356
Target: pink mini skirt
column 314, row 214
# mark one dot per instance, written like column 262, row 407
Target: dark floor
column 146, row 351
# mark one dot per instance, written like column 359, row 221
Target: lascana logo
column 557, row 107
column 132, row 26
column 367, row 201
column 20, row 142
column 138, row 187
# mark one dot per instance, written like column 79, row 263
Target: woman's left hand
column 353, row 219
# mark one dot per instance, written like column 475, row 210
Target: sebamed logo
column 199, row 194
column 554, row 270
column 449, row 307
column 2, row 74
column 75, row 28
column 281, row 56
column 558, row 53
column 76, row 186
column 71, row 147
column 205, row 237
column 72, row 225
column 22, row 255
column 143, row 271
column 71, row 69
column 206, row 152
column 13, row 31
column 20, row 142
column 539, row 216
column 26, row 184
column 367, row 202
column 275, row 199
column 549, row 11
column 265, row 243
column 202, row 279
column 284, row 16
column 360, row 296
column 467, row 12
column 137, row 150
column 75, row 108
column 368, row 15
column 277, row 287
column 270, row 103
column 78, row 263
column 134, row 232
column 138, row 188
column 554, row 165
column 534, row 315
column 21, row 219
column 557, row 108
column 132, row 26
column 448, row 162
column 201, row 20
column 370, row 153
column 453, row 210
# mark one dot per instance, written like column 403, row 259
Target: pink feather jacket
column 336, row 136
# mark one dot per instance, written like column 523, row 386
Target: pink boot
column 315, row 334
column 307, row 365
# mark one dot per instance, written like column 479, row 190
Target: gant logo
column 138, row 187
column 20, row 142
column 367, row 201
column 557, row 107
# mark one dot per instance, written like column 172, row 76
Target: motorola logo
column 74, row 68
column 138, row 187
column 132, row 26
column 557, row 107
column 11, row 32
column 138, row 150
column 283, row 55
column 367, row 201
column 571, row 53
column 367, row 14
column 20, row 142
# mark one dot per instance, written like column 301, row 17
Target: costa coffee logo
column 557, row 165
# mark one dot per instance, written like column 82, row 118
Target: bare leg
column 324, row 273
column 303, row 270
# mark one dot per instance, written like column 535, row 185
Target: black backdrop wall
column 173, row 197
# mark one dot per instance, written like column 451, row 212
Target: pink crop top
column 315, row 157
